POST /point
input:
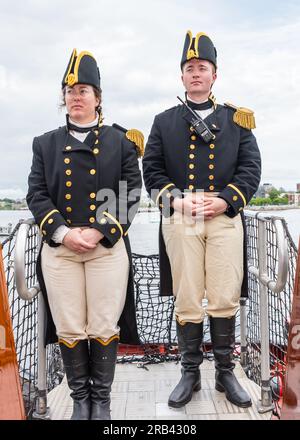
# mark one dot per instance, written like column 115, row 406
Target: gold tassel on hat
column 244, row 117
column 137, row 138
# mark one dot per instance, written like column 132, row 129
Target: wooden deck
column 142, row 394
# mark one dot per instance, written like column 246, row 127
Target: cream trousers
column 86, row 292
column 207, row 263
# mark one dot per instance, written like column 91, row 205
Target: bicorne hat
column 200, row 47
column 82, row 69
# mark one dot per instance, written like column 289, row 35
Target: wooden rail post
column 11, row 399
column 291, row 396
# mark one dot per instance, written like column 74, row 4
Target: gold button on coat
column 68, row 196
column 92, row 219
column 96, row 141
column 67, row 160
column 96, row 150
column 191, row 166
column 193, row 137
column 234, row 198
column 68, row 183
column 68, row 148
column 191, row 176
column 92, row 171
column 192, row 147
column 68, row 172
column 92, row 207
column 191, row 187
column 211, row 177
column 113, row 230
column 192, row 156
column 212, row 146
column 50, row 221
column 92, row 195
column 211, row 166
column 211, row 188
column 211, row 156
column 68, row 209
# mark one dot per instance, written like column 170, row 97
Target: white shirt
column 202, row 113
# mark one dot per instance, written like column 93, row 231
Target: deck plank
column 142, row 394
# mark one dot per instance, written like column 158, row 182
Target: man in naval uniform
column 201, row 185
column 84, row 189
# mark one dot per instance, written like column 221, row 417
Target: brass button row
column 211, row 166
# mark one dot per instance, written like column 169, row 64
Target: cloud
column 12, row 193
column 138, row 45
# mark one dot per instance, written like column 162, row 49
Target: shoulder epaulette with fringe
column 134, row 136
column 244, row 117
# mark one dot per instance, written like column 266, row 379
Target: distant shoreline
column 248, row 208
column 271, row 208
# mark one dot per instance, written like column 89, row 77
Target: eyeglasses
column 82, row 92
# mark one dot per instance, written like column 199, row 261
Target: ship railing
column 275, row 285
column 262, row 325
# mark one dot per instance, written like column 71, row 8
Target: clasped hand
column 200, row 207
column 82, row 240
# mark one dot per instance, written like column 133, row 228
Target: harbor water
column 143, row 233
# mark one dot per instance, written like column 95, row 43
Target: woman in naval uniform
column 84, row 182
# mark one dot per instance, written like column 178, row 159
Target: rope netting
column 155, row 316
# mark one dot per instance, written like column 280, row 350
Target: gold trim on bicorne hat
column 70, row 77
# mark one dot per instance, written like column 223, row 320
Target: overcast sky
column 138, row 45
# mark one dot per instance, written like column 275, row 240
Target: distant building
column 261, row 193
column 294, row 198
column 298, row 187
column 267, row 187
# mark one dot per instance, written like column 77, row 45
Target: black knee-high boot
column 76, row 364
column 103, row 361
column 190, row 337
column 223, row 340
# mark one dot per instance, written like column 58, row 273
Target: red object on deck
column 291, row 396
column 11, row 399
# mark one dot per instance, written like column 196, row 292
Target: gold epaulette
column 244, row 117
column 137, row 138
